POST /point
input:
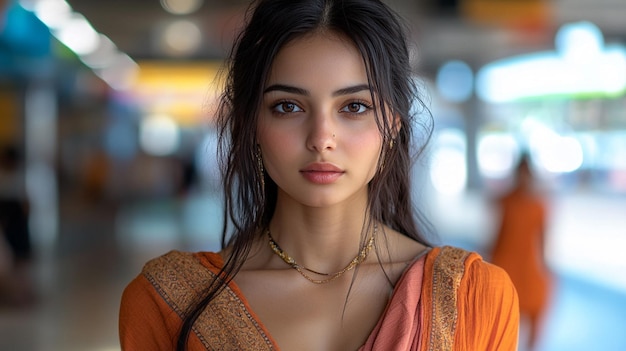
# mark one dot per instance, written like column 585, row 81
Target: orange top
column 462, row 303
column 485, row 313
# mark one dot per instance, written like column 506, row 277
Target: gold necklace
column 332, row 276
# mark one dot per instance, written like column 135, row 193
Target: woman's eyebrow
column 351, row 90
column 300, row 91
column 287, row 89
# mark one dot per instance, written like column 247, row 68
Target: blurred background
column 108, row 149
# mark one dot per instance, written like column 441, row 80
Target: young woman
column 324, row 251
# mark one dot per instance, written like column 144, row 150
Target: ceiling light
column 121, row 74
column 181, row 38
column 78, row 35
column 53, row 13
column 181, row 7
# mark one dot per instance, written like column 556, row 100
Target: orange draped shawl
column 448, row 299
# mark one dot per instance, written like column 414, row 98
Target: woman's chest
column 301, row 315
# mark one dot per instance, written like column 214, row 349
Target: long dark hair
column 377, row 33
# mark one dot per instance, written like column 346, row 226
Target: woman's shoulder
column 450, row 259
column 176, row 261
column 463, row 287
column 488, row 285
column 175, row 276
column 464, row 263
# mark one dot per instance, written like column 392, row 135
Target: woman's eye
column 286, row 107
column 355, row 107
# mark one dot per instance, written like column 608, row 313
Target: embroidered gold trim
column 225, row 324
column 448, row 270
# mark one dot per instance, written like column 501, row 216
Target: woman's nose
column 322, row 132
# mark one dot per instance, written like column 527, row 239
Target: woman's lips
column 321, row 173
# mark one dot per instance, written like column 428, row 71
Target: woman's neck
column 325, row 239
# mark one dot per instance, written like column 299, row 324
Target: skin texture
column 313, row 117
column 322, row 124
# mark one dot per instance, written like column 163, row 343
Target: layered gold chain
column 331, row 276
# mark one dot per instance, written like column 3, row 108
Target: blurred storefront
column 95, row 126
column 565, row 107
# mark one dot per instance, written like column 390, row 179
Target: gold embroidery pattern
column 448, row 270
column 225, row 324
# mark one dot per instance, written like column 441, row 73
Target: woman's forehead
column 319, row 58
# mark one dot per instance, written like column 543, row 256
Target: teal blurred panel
column 23, row 39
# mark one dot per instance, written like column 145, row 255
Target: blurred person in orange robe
column 519, row 247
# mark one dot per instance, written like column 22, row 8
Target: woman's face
column 317, row 129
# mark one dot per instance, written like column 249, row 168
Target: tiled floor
column 80, row 282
